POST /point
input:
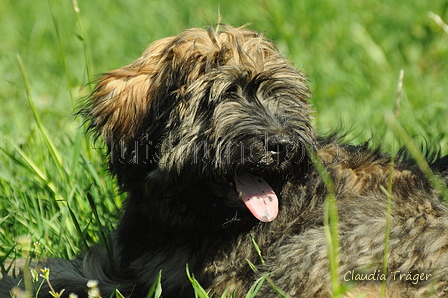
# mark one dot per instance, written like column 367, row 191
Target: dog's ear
column 120, row 106
column 119, row 103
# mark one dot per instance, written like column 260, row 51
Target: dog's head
column 218, row 110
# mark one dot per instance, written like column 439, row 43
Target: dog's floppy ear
column 120, row 105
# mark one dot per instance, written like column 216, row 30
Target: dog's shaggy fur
column 209, row 133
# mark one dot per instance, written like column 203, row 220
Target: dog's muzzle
column 278, row 147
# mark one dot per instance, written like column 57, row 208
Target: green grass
column 52, row 178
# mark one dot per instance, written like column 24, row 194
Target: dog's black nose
column 278, row 147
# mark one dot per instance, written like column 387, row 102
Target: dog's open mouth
column 258, row 196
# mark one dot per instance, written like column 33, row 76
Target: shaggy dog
column 209, row 133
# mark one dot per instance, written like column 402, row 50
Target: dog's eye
column 233, row 90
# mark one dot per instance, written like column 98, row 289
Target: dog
column 209, row 134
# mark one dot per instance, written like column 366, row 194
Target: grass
column 52, row 179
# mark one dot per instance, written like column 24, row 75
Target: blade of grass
column 255, row 287
column 436, row 18
column 75, row 155
column 388, row 193
column 6, row 267
column 277, row 290
column 79, row 141
column 399, row 92
column 78, row 228
column 62, row 51
column 29, row 165
column 82, row 37
column 257, row 249
column 156, row 287
column 93, row 172
column 331, row 226
column 24, row 243
column 48, row 142
column 103, row 238
column 416, row 153
column 199, row 291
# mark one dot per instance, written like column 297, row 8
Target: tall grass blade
column 416, row 153
column 103, row 238
column 82, row 235
column 75, row 155
column 82, row 37
column 388, row 218
column 331, row 225
column 48, row 142
column 399, row 93
column 93, row 171
column 63, row 58
column 29, row 165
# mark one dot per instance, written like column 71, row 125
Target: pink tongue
column 258, row 197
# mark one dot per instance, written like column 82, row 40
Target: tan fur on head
column 122, row 102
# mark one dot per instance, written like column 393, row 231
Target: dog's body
column 209, row 134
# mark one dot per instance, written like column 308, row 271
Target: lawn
column 54, row 186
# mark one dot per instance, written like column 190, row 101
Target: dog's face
column 221, row 110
